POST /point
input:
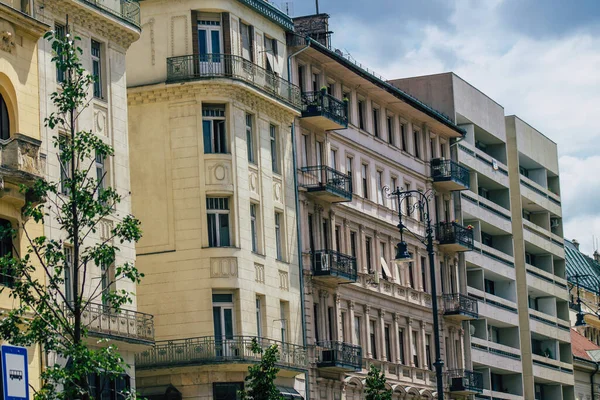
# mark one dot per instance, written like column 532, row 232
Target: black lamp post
column 402, row 255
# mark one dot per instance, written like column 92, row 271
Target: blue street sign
column 15, row 375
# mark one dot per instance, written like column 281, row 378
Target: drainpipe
column 592, row 378
column 298, row 226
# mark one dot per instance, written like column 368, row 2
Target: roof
column 580, row 345
column 385, row 85
column 580, row 264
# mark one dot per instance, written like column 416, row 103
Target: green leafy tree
column 49, row 280
column 260, row 382
column 375, row 385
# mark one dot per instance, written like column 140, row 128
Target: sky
column 540, row 59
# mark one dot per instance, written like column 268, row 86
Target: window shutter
column 226, row 18
column 195, row 32
column 251, row 38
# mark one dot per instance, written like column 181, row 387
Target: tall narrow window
column 424, row 273
column 390, row 130
column 415, row 348
column 380, row 187
column 258, row 317
column 223, row 324
column 246, row 32
column 411, row 275
column 403, row 137
column 373, row 339
column 431, row 148
column 316, row 321
column 394, row 186
column 361, row 114
column 250, row 139
column 349, row 170
column 213, row 129
column 311, row 235
column 65, row 167
column 353, row 244
column 304, row 153
column 4, row 120
column 283, row 317
column 59, row 33
column 338, row 238
column 401, row 345
column 376, row 122
column 333, row 158
column 278, row 221
column 343, row 322
column 101, row 174
column 388, row 343
column 417, row 143
column 107, row 278
column 68, row 273
column 301, row 79
column 217, row 209
column 368, row 254
column 97, row 68
column 253, row 227
column 365, row 181
column 209, row 42
column 274, row 149
column 315, row 82
column 357, row 330
column 331, row 322
column 428, row 351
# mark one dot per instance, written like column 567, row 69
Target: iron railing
column 103, row 320
column 128, row 10
column 464, row 380
column 209, row 66
column 448, row 170
column 333, row 263
column 210, row 350
column 460, row 304
column 453, row 233
column 321, row 177
column 270, row 11
column 339, row 354
column 322, row 104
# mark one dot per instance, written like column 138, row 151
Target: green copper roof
column 271, row 12
column 578, row 263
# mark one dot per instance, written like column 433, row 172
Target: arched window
column 4, row 120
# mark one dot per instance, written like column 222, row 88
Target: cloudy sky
column 540, row 59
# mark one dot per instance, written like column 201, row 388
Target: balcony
column 465, row 382
column 211, row 66
column 208, row 350
column 326, row 183
column 339, row 356
column 449, row 176
column 453, row 237
column 333, row 267
column 126, row 10
column 127, row 326
column 20, row 163
column 460, row 307
column 324, row 111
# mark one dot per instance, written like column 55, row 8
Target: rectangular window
column 104, row 388
column 382, row 254
column 304, row 153
column 217, row 210
column 365, row 181
column 407, row 203
column 246, row 32
column 253, row 227
column 373, row 339
column 213, row 129
column 394, row 186
column 428, row 351
column 333, row 158
column 388, row 344
column 68, row 273
column 331, row 322
column 487, row 239
column 101, row 174
column 376, row 122
column 368, row 254
column 274, row 149
column 411, row 275
column 343, row 326
column 226, row 390
column 403, row 137
column 490, row 286
column 380, row 187
column 361, row 114
column 223, row 323
column 250, row 139
column 65, row 169
column 353, row 244
column 319, row 151
column 357, row 330
column 61, row 73
column 278, row 244
column 258, row 317
column 415, row 348
column 431, row 148
column 316, row 321
column 424, row 273
column 417, row 140
column 315, row 82
column 338, row 238
column 97, row 68
column 6, row 249
column 283, row 307
column 390, row 130
column 349, row 170
column 401, row 345
column 301, row 82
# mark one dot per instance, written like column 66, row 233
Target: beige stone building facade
column 210, row 117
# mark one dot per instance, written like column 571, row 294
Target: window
column 104, row 388
column 274, row 149
column 382, row 254
column 247, row 34
column 407, row 206
column 7, row 275
column 343, row 326
column 415, row 348
column 524, row 172
column 258, row 317
column 213, row 129
column 331, row 88
column 4, row 120
column 490, row 286
column 388, row 344
column 349, row 170
column 357, row 330
column 394, row 186
column 417, row 138
column 411, row 275
column 227, row 390
column 487, row 239
column 68, row 273
column 368, row 254
column 311, row 237
column 424, row 273
column 353, row 244
column 376, row 122
column 304, row 153
column 65, row 168
column 365, row 180
column 319, row 151
column 101, row 173
column 217, row 209
column 315, row 82
column 250, row 139
column 331, row 322
column 270, row 52
column 428, row 351
column 107, row 278
column 380, row 187
column 338, row 238
column 97, row 68
column 253, row 227
column 390, row 130
column 361, row 114
column 316, row 320
column 61, row 73
column 333, row 158
column 373, row 339
column 301, row 73
column 283, row 307
column 401, row 345
column 278, row 221
column 403, row 137
column 431, row 148
column 209, row 38
column 223, row 321
column 483, row 192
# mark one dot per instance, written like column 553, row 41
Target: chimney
column 597, row 256
column 315, row 26
column 575, row 243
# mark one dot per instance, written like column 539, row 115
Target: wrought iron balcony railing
column 462, row 380
column 316, row 104
column 460, row 305
column 210, row 350
column 451, row 233
column 329, row 263
column 128, row 10
column 210, row 66
column 131, row 326
column 339, row 355
column 326, row 181
column 450, row 174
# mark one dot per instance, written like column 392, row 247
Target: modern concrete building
column 213, row 182
column 21, row 161
column 357, row 134
column 106, row 30
column 521, row 340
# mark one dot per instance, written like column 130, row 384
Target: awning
column 385, row 269
column 289, row 393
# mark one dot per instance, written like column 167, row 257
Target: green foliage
column 46, row 311
column 375, row 385
column 260, row 382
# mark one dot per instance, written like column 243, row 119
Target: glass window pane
column 212, row 230
column 207, row 133
column 224, row 230
column 228, row 319
column 202, row 47
column 215, row 42
column 217, row 321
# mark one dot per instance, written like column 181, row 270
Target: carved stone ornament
column 7, row 36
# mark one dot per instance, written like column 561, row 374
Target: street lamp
column 403, row 256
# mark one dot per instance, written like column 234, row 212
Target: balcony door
column 210, row 43
column 223, row 322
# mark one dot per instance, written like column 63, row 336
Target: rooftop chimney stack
column 314, row 26
column 575, row 243
column 597, row 256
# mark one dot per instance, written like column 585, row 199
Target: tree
column 375, row 385
column 49, row 310
column 260, row 380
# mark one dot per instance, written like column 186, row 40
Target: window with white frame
column 213, row 129
column 278, row 235
column 393, row 187
column 250, row 138
column 376, row 127
column 283, row 312
column 259, row 317
column 349, row 162
column 101, row 174
column 275, row 164
column 97, row 68
column 415, row 348
column 68, row 273
column 304, row 152
column 254, row 226
column 380, row 197
column 365, row 181
column 223, row 320
column 333, row 158
column 417, row 143
column 357, row 330
column 217, row 210
column 361, row 114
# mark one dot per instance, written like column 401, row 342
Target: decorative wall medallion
column 253, row 181
column 100, row 117
column 277, row 191
column 219, row 172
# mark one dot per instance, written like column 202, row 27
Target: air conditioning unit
column 554, row 222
